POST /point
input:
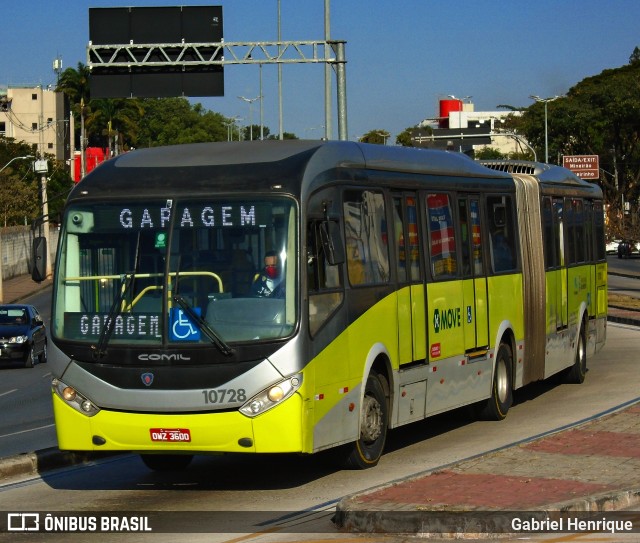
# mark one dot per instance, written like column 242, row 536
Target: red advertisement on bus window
column 443, row 243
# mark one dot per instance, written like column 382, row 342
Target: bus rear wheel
column 576, row 373
column 166, row 462
column 501, row 398
column 374, row 422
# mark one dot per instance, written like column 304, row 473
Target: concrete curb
column 451, row 522
column 38, row 462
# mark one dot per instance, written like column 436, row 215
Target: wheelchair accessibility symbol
column 181, row 326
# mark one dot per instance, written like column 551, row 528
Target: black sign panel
column 148, row 26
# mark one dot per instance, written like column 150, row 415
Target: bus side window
column 324, row 280
column 578, row 238
column 442, row 236
column 550, row 253
column 598, row 215
column 502, row 233
column 366, row 237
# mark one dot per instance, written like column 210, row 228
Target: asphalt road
column 26, row 423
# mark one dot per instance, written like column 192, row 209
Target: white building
column 457, row 116
column 35, row 116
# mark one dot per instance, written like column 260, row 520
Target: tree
column 378, row 136
column 19, row 195
column 74, row 84
column 285, row 136
column 488, row 153
column 172, row 121
column 254, row 130
column 116, row 120
column 600, row 115
column 405, row 137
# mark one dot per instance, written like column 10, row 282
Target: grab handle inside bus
column 332, row 242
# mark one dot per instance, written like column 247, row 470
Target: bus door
column 446, row 312
column 476, row 322
column 411, row 311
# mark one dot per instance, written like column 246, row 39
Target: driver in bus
column 269, row 281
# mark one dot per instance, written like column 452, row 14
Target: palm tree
column 74, row 83
column 116, row 117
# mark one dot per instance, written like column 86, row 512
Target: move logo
column 446, row 319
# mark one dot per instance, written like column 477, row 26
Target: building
column 459, row 127
column 36, row 116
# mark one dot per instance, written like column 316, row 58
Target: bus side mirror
column 332, row 242
column 39, row 259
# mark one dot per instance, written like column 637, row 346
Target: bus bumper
column 278, row 430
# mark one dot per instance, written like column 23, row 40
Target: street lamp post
column 250, row 101
column 26, row 157
column 545, row 101
column 384, row 136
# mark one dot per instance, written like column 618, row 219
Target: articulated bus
column 402, row 283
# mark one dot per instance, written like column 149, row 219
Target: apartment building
column 36, row 116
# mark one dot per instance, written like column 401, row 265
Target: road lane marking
column 25, row 431
column 9, row 392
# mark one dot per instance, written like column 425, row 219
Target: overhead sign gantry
column 180, row 51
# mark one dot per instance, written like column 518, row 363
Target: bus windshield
column 174, row 271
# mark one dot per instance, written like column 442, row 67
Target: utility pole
column 280, row 122
column 83, row 166
column 327, row 72
column 41, row 166
column 250, row 102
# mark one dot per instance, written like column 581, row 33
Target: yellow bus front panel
column 276, row 430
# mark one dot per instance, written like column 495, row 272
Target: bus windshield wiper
column 126, row 280
column 100, row 349
column 203, row 325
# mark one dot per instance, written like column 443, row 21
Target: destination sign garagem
column 136, row 326
column 189, row 217
column 159, row 216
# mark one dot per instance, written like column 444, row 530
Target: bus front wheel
column 374, row 422
column 501, row 398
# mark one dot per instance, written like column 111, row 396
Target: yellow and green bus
column 296, row 296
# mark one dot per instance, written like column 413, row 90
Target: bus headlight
column 73, row 398
column 272, row 396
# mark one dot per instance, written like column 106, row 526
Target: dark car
column 625, row 248
column 23, row 336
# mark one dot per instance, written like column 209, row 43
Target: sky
column 403, row 56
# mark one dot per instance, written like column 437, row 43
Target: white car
column 612, row 246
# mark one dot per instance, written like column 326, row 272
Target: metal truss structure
column 132, row 56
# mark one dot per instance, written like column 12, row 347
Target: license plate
column 171, row 435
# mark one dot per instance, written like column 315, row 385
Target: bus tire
column 576, row 373
column 374, row 422
column 501, row 397
column 166, row 462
